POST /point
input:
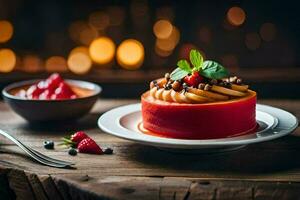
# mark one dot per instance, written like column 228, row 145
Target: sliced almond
column 184, row 99
column 166, row 95
column 227, row 91
column 176, row 96
column 241, row 88
column 153, row 91
column 196, row 98
column 158, row 94
column 208, row 94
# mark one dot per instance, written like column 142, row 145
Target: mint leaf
column 213, row 70
column 184, row 65
column 196, row 59
column 178, row 74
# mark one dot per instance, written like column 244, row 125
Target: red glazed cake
column 202, row 102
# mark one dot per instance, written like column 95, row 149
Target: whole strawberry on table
column 84, row 144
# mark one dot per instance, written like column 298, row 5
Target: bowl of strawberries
column 52, row 99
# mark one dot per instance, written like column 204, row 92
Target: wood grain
column 5, row 191
column 134, row 171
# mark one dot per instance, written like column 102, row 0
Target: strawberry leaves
column 196, row 59
column 209, row 69
column 184, row 65
column 183, row 70
column 213, row 70
column 178, row 74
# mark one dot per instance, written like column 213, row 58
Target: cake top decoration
column 208, row 68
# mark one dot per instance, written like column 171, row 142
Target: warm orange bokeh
column 56, row 64
column 7, row 60
column 162, row 29
column 79, row 61
column 130, row 54
column 6, row 31
column 236, row 16
column 32, row 63
column 102, row 50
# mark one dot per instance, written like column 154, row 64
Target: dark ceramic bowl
column 52, row 110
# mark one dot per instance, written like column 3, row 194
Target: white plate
column 123, row 122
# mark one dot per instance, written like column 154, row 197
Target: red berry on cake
column 194, row 79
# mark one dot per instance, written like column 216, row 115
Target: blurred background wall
column 122, row 45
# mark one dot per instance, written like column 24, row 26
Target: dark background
column 271, row 67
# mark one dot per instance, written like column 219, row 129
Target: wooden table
column 269, row 170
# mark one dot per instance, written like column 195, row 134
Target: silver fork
column 41, row 158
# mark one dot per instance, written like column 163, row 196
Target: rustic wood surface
column 269, row 170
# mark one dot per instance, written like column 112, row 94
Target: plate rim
column 183, row 143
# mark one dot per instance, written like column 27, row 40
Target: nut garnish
column 201, row 86
column 207, row 87
column 185, row 87
column 176, row 85
column 239, row 81
column 197, row 77
column 233, row 79
column 168, row 86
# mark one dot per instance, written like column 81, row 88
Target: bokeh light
column 162, row 29
column 80, row 49
column 87, row 35
column 102, row 50
column 99, row 20
column 164, row 47
column 79, row 63
column 236, row 16
column 252, row 41
column 32, row 63
column 162, row 53
column 268, row 32
column 7, row 60
column 6, row 31
column 56, row 64
column 76, row 28
column 18, row 65
column 130, row 54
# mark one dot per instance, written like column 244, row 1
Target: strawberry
column 194, row 79
column 53, row 81
column 88, row 145
column 42, row 85
column 74, row 139
column 63, row 91
column 34, row 92
column 55, row 77
column 78, row 136
column 45, row 95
